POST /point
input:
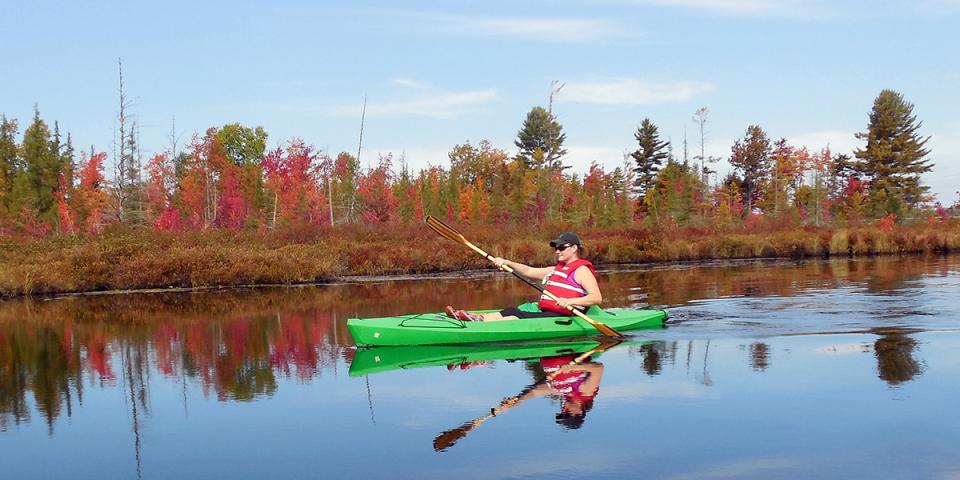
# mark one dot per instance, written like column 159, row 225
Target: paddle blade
column 446, row 439
column 444, row 230
column 606, row 329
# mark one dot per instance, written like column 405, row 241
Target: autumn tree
column 821, row 164
column 649, row 157
column 343, row 187
column 894, row 156
column 541, row 133
column 676, row 195
column 377, row 203
column 159, row 193
column 292, row 176
column 729, row 202
column 91, row 200
column 244, row 147
column 750, row 158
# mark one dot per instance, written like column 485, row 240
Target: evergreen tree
column 34, row 184
column 675, row 196
column 405, row 194
column 541, row 132
column 133, row 212
column 751, row 159
column 9, row 159
column 68, row 161
column 894, row 157
column 649, row 157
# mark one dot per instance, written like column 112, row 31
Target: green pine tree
column 34, row 184
column 751, row 160
column 402, row 190
column 649, row 156
column 9, row 160
column 894, row 157
column 541, row 132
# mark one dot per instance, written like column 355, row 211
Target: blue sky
column 438, row 73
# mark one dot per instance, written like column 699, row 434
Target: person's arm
column 526, row 270
column 584, row 277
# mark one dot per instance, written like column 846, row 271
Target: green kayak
column 439, row 329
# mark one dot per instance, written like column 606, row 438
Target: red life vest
column 566, row 383
column 560, row 283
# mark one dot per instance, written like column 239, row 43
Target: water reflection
column 221, row 342
column 573, row 378
column 241, row 345
column 895, row 351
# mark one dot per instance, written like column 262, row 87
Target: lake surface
column 773, row 369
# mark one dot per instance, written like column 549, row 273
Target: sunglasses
column 563, row 247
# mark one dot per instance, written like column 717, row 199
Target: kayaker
column 573, row 281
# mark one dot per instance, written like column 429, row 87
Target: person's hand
column 563, row 302
column 499, row 262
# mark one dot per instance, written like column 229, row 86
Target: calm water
column 839, row 369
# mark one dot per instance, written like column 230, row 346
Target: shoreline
column 132, row 260
column 460, row 274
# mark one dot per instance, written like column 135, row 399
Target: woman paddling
column 573, row 281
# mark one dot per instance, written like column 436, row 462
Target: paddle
column 447, row 231
column 446, row 439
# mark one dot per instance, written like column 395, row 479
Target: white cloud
column 409, row 83
column 779, row 8
column 434, row 104
column 732, row 6
column 563, row 30
column 811, row 9
column 629, row 91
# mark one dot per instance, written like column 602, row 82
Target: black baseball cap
column 565, row 238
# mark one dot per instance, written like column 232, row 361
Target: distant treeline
column 226, row 179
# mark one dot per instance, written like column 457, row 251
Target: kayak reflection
column 564, row 370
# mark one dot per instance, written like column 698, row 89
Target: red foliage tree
column 378, row 203
column 293, row 176
column 90, row 199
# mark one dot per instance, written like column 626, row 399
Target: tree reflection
column 894, row 351
column 228, row 344
column 759, row 356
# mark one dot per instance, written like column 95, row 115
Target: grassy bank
column 123, row 259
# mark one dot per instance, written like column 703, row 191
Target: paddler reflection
column 573, row 379
column 576, row 384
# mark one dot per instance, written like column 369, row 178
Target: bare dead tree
column 120, row 150
column 353, row 193
column 700, row 118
